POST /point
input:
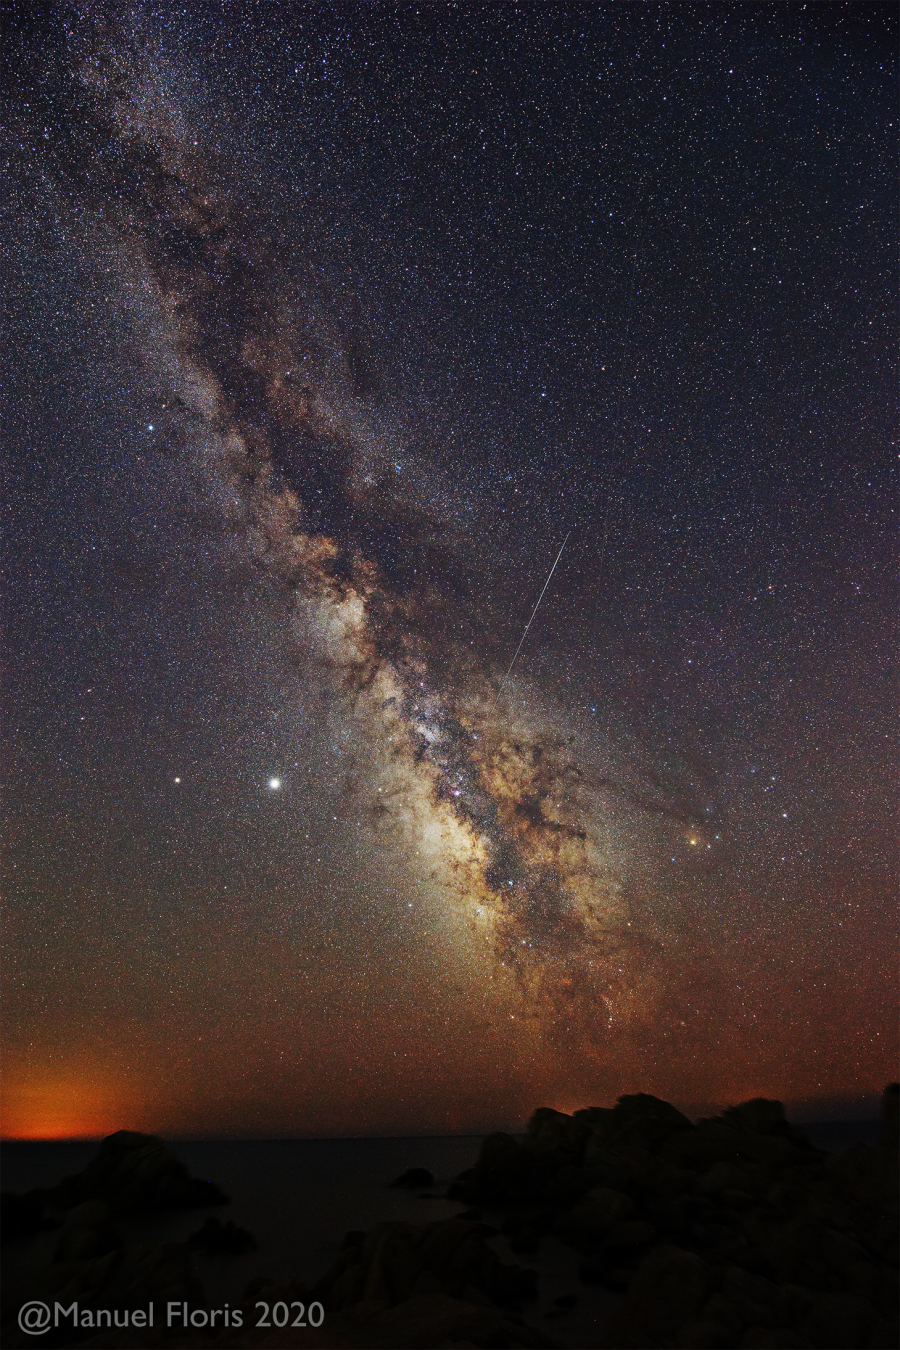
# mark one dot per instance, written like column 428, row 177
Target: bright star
column 274, row 784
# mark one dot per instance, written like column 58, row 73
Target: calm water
column 299, row 1197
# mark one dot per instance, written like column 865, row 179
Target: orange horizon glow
column 46, row 1097
column 56, row 1132
column 67, row 1105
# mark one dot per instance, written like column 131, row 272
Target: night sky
column 326, row 326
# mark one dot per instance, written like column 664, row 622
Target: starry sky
column 328, row 326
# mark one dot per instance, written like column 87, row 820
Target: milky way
column 516, row 836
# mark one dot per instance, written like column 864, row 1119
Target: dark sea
column 298, row 1198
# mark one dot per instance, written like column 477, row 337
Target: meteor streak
column 529, row 623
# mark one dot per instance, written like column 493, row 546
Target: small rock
column 619, row 1279
column 762, row 1115
column 772, row 1338
column 571, row 1183
column 647, row 1121
column 669, row 1286
column 837, row 1321
column 704, row 1333
column 414, row 1178
column 218, row 1239
column 628, row 1240
column 396, row 1262
column 885, row 1334
column 553, row 1131
column 434, row 1320
column 591, row 1219
column 726, row 1176
column 21, row 1216
column 87, row 1233
column 594, row 1269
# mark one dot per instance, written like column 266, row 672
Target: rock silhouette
column 115, row 1280
column 396, row 1261
column 732, row 1234
column 130, row 1174
column 21, row 1216
column 134, row 1174
column 414, row 1178
column 408, row 1285
column 218, row 1239
column 87, row 1233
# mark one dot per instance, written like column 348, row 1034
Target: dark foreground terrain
column 734, row 1232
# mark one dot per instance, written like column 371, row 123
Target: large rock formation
column 734, row 1232
column 136, row 1174
column 131, row 1174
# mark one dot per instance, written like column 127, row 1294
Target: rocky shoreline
column 731, row 1232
